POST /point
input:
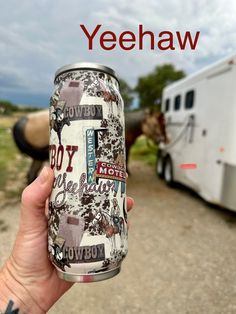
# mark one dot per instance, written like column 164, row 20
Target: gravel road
column 182, row 256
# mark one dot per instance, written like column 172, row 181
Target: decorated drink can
column 87, row 238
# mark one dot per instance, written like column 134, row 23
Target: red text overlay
column 128, row 40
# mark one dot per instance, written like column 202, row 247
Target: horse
column 154, row 127
column 133, row 129
column 32, row 137
column 111, row 226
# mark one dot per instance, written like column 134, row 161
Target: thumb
column 33, row 201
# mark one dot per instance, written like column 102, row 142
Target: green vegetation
column 126, row 93
column 7, row 108
column 145, row 150
column 150, row 87
column 13, row 165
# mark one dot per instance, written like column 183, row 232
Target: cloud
column 39, row 37
column 10, row 79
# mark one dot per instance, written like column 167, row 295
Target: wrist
column 13, row 291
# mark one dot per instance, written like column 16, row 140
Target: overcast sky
column 38, row 37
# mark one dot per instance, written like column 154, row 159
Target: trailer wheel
column 168, row 172
column 160, row 165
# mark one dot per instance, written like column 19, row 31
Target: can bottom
column 88, row 277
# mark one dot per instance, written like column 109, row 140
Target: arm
column 14, row 298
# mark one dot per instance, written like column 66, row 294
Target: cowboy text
column 85, row 254
column 57, row 154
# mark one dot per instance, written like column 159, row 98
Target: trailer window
column 177, row 102
column 167, row 104
column 189, row 100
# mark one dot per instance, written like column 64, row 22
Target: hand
column 28, row 277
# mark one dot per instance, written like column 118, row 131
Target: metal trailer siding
column 215, row 153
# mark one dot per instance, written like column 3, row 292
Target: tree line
column 7, row 108
column 148, row 89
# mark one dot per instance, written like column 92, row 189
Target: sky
column 38, row 37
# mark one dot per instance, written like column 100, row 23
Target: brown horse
column 32, row 136
column 154, row 127
column 133, row 128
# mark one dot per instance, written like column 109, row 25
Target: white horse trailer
column 200, row 115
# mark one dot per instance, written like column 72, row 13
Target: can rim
column 85, row 66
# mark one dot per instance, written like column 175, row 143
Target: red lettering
column 52, row 150
column 112, row 39
column 123, row 40
column 90, row 37
column 142, row 34
column 60, row 154
column 170, row 40
column 188, row 38
column 71, row 151
column 127, row 39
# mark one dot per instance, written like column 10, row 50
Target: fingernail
column 130, row 200
column 42, row 178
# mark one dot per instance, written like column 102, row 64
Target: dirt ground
column 182, row 256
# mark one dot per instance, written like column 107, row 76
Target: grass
column 144, row 150
column 13, row 165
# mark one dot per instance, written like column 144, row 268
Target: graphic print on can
column 87, row 207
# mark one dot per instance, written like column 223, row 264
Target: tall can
column 88, row 233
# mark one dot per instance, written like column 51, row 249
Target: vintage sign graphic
column 83, row 112
column 85, row 254
column 110, row 171
column 90, row 153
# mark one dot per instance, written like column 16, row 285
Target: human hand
column 28, row 278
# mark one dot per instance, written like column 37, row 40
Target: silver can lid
column 85, row 66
